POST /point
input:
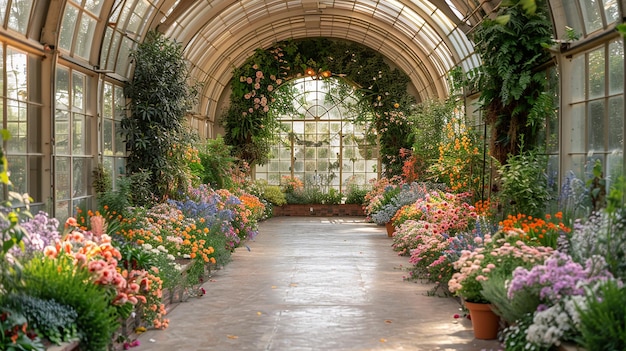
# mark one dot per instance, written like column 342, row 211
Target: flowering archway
column 250, row 122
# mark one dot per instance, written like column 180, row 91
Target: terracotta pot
column 484, row 321
column 390, row 228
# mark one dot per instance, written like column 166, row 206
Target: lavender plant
column 409, row 193
column 43, row 231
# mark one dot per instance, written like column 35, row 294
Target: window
column 320, row 145
column 73, row 126
column 16, row 14
column 113, row 146
column 594, row 120
column 78, row 26
column 20, row 108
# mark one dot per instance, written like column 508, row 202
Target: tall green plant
column 160, row 97
column 603, row 319
column 524, row 184
column 513, row 89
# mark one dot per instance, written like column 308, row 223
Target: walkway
column 315, row 284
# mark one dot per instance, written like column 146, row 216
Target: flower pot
column 390, row 228
column 484, row 321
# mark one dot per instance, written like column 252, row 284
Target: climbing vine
column 250, row 121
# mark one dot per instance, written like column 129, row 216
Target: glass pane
column 84, row 37
column 34, row 129
column 3, row 9
column 107, row 136
column 120, row 167
column 62, row 133
column 120, row 103
column 34, row 178
column 81, row 176
column 616, row 124
column 78, row 92
column 68, row 27
column 19, row 15
column 17, row 75
column 596, row 73
column 120, row 144
column 577, row 79
column 105, row 49
column 614, row 166
column 616, row 67
column 115, row 44
column 611, row 11
column 17, row 126
column 123, row 56
column 62, row 178
column 94, row 6
column 19, row 175
column 62, row 95
column 591, row 15
column 61, row 211
column 595, row 128
column 107, row 101
column 79, row 134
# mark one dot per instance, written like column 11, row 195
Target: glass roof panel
column 367, row 6
column 426, row 6
column 452, row 7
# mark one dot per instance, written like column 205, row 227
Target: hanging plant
column 250, row 121
column 513, row 89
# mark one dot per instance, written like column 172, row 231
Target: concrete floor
column 315, row 284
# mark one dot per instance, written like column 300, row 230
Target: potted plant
column 500, row 254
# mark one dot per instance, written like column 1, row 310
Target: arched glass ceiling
column 422, row 39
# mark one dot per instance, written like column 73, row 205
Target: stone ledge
column 570, row 347
column 68, row 346
column 319, row 210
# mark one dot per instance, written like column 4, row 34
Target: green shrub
column 69, row 285
column 333, row 197
column 356, row 195
column 603, row 319
column 308, row 195
column 49, row 319
column 273, row 195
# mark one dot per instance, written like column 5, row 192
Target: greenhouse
column 313, row 174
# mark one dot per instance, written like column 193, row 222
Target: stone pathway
column 315, row 284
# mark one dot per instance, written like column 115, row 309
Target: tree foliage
column 155, row 129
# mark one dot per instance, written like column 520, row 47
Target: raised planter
column 319, row 210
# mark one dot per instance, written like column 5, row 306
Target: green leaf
column 503, row 19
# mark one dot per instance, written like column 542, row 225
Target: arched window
column 320, row 144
